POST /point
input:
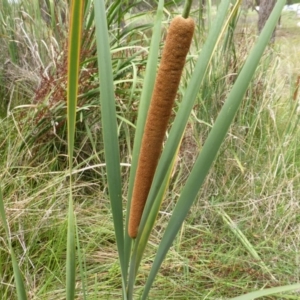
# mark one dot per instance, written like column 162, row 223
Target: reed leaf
column 109, row 129
column 142, row 239
column 212, row 144
column 76, row 16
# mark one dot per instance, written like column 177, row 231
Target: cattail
column 176, row 47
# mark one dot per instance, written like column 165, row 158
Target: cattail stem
column 177, row 45
column 187, row 8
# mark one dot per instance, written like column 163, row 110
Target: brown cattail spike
column 178, row 41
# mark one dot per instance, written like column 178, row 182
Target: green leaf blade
column 76, row 17
column 267, row 292
column 109, row 128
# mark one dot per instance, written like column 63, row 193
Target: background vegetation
column 250, row 196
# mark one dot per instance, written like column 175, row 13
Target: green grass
column 254, row 184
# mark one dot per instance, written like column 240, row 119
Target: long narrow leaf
column 143, row 238
column 267, row 292
column 73, row 71
column 21, row 293
column 110, row 132
column 141, row 241
column 72, row 92
column 212, row 145
column 71, row 260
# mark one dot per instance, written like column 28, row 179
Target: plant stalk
column 187, row 8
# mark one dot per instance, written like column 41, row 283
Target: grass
column 253, row 186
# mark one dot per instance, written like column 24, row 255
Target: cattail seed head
column 176, row 47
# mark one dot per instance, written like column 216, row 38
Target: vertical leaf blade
column 109, row 127
column 72, row 92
